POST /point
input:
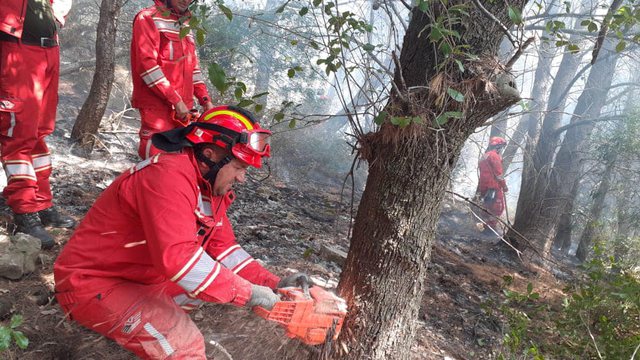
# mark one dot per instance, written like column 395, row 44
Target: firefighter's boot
column 52, row 217
column 30, row 224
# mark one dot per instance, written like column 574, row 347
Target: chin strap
column 214, row 167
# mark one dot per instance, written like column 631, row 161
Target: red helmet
column 232, row 128
column 496, row 140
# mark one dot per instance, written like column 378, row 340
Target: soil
column 283, row 225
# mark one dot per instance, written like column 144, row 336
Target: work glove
column 299, row 280
column 262, row 296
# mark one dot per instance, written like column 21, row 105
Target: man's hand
column 262, row 296
column 181, row 110
column 505, row 188
column 208, row 106
column 295, row 280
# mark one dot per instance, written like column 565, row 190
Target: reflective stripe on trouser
column 143, row 319
column 28, row 74
column 154, row 120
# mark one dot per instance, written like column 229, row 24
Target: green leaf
column 573, row 48
column 238, row 92
column 435, row 35
column 226, row 11
column 307, row 253
column 246, row 102
column 423, row 5
column 303, row 11
column 529, row 288
column 368, row 47
column 316, row 3
column 294, row 42
column 444, row 118
column 16, row 320
column 379, row 119
column 314, row 45
column 291, row 73
column 278, row 117
column 455, row 95
column 515, row 15
column 218, row 77
column 621, row 46
column 184, row 31
column 258, row 107
column 401, row 121
column 592, row 27
column 460, row 66
column 20, row 339
column 292, row 123
column 200, row 36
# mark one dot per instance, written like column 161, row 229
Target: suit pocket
column 8, row 110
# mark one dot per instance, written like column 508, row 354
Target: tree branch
column 561, row 129
column 604, row 29
column 519, row 53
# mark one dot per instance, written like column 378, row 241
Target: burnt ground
column 285, row 226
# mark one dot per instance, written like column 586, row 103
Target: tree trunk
column 540, row 213
column 86, row 126
column 586, row 240
column 384, row 274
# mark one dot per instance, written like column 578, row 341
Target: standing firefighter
column 165, row 69
column 158, row 241
column 29, row 70
column 491, row 186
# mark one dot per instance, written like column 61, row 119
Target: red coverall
column 28, row 102
column 491, row 178
column 165, row 70
column 155, row 243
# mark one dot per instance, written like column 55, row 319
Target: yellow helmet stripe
column 247, row 123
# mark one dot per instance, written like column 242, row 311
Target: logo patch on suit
column 132, row 323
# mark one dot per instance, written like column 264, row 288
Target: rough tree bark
column 90, row 115
column 590, row 230
column 384, row 274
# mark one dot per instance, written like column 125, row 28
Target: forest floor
column 285, row 226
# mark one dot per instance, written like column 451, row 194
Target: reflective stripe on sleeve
column 153, row 76
column 164, row 343
column 233, row 257
column 200, row 275
column 187, row 265
column 197, row 77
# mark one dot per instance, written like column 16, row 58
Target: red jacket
column 164, row 67
column 12, row 14
column 155, row 224
column 491, row 176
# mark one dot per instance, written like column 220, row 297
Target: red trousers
column 154, row 120
column 28, row 102
column 144, row 319
column 495, row 207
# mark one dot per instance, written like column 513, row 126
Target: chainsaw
column 312, row 315
column 191, row 116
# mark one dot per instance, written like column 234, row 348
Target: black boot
column 30, row 224
column 51, row 217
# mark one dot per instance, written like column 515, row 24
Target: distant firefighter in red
column 492, row 186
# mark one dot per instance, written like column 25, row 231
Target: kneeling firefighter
column 158, row 241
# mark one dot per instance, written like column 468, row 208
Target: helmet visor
column 259, row 141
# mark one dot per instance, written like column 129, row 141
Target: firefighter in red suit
column 29, row 69
column 492, row 186
column 165, row 70
column 158, row 241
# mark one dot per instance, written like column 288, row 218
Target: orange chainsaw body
column 308, row 318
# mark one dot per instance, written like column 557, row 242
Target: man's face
column 180, row 5
column 234, row 172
